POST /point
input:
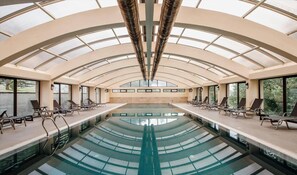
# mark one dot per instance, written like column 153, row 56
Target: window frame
column 15, row 92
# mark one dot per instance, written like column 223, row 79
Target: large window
column 62, row 93
column 7, row 95
column 15, row 95
column 272, row 93
column 213, row 94
column 85, row 94
column 291, row 93
column 26, row 90
column 235, row 92
column 279, row 94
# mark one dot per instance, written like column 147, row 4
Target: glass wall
column 85, row 91
column 62, row 93
column 291, row 93
column 26, row 90
column 272, row 93
column 235, row 91
column 213, row 94
column 15, row 95
column 232, row 95
column 6, row 95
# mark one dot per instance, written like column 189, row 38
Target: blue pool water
column 149, row 139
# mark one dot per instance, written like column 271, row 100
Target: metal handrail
column 47, row 135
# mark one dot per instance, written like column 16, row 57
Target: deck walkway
column 22, row 137
column 283, row 141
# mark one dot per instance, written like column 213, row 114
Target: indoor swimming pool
column 149, row 139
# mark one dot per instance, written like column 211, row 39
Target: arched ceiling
column 210, row 40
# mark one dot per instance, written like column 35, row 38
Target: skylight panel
column 293, row 35
column 77, row 52
column 3, row 37
column 172, row 39
column 201, row 35
column 121, row 31
column 287, row 5
column 179, row 58
column 246, row 63
column 65, row 8
column 190, row 3
column 199, row 64
column 8, row 9
column 192, row 43
column 277, row 55
column 220, row 51
column 24, row 22
column 96, row 36
column 117, row 59
column 95, row 66
column 103, row 44
column 232, row 44
column 107, row 3
column 232, row 7
column 25, row 56
column 65, row 46
column 83, row 71
column 176, row 31
column 51, row 65
column 36, row 60
column 261, row 58
column 223, row 70
column 273, row 20
column 125, row 40
column 216, row 72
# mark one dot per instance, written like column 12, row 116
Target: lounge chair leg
column 12, row 124
column 287, row 124
column 262, row 122
column 279, row 123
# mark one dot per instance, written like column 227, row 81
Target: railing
column 61, row 140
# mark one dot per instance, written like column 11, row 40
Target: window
column 62, row 93
column 291, row 93
column 235, row 92
column 199, row 93
column 232, row 95
column 213, row 94
column 85, row 93
column 174, row 90
column 272, row 93
column 7, row 95
column 15, row 95
column 148, row 90
column 26, row 90
column 123, row 90
column 98, row 95
column 148, row 83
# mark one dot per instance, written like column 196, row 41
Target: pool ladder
column 62, row 138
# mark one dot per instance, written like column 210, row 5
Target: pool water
column 149, row 139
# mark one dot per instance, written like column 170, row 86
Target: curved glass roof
column 17, row 18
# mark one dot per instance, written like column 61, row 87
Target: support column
column 92, row 94
column 252, row 92
column 191, row 94
column 222, row 92
column 46, row 94
column 105, row 95
column 76, row 94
